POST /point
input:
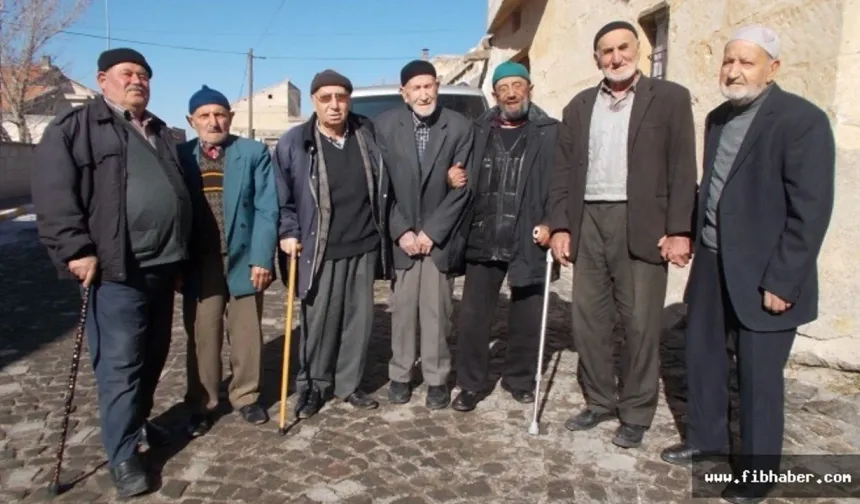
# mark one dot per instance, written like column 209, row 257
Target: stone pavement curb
column 12, row 213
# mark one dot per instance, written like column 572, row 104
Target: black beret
column 330, row 78
column 615, row 25
column 416, row 68
column 119, row 55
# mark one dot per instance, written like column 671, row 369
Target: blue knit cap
column 510, row 69
column 207, row 96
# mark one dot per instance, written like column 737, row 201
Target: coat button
column 245, row 204
column 243, row 226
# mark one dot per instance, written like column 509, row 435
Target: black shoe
column 628, row 435
column 587, row 419
column 130, row 478
column 466, row 400
column 742, row 494
column 399, row 392
column 681, row 454
column 310, row 403
column 360, row 400
column 155, row 436
column 254, row 413
column 438, row 397
column 523, row 396
column 199, row 425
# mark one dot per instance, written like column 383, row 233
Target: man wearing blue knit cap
column 236, row 223
column 506, row 236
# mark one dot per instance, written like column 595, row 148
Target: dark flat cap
column 329, row 77
column 614, row 25
column 119, row 55
column 415, row 68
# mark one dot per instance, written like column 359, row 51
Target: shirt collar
column 604, row 84
column 210, row 150
column 126, row 114
column 335, row 140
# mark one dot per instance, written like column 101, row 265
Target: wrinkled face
column 125, row 84
column 331, row 103
column 420, row 93
column 513, row 96
column 212, row 123
column 617, row 55
column 747, row 70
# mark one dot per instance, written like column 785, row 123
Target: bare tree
column 26, row 26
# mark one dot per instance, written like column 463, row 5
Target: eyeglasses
column 327, row 98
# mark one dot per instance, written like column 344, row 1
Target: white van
column 372, row 100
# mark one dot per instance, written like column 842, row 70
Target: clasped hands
column 415, row 244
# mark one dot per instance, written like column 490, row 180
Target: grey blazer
column 421, row 199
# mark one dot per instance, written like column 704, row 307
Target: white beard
column 742, row 96
column 616, row 77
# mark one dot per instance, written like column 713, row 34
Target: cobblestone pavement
column 396, row 454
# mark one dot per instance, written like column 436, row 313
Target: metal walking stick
column 288, row 336
column 534, row 428
column 54, row 487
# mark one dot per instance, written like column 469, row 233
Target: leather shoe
column 682, row 455
column 130, row 478
column 254, row 413
column 360, row 400
column 523, row 396
column 310, row 403
column 199, row 424
column 587, row 419
column 741, row 494
column 466, row 400
column 438, row 397
column 154, row 435
column 628, row 435
column 399, row 392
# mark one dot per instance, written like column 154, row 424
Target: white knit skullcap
column 760, row 35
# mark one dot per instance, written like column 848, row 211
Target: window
column 656, row 27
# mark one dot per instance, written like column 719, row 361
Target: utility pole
column 251, row 93
column 107, row 23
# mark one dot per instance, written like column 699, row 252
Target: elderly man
column 506, row 236
column 115, row 212
column 621, row 200
column 233, row 260
column 329, row 186
column 420, row 142
column 764, row 207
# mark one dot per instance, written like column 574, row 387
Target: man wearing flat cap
column 621, row 204
column 234, row 254
column 330, row 179
column 115, row 213
column 506, row 236
column 420, row 142
column 763, row 210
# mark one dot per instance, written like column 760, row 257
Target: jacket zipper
column 382, row 202
column 319, row 212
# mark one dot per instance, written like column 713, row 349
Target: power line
column 238, row 53
column 318, row 34
column 271, row 21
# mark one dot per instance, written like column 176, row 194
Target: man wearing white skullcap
column 764, row 206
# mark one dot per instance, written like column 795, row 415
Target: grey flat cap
column 760, row 35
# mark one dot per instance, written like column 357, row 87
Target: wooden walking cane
column 288, row 334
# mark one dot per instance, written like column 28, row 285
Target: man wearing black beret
column 115, row 214
column 621, row 204
column 329, row 175
column 420, row 142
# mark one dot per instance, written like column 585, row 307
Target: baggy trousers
column 480, row 294
column 610, row 285
column 204, row 324
column 337, row 320
column 422, row 295
column 128, row 332
column 761, row 360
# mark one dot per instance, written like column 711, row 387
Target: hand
column 560, row 245
column 84, row 269
column 291, row 246
column 540, row 235
column 261, row 278
column 425, row 244
column 457, row 176
column 675, row 249
column 774, row 303
column 408, row 243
